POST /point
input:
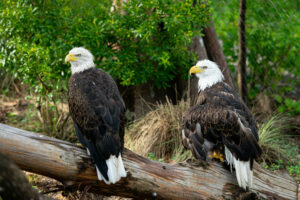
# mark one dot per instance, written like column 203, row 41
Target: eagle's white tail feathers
column 116, row 168
column 88, row 151
column 122, row 171
column 244, row 174
column 115, row 171
column 229, row 158
column 100, row 177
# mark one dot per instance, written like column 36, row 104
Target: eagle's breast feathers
column 92, row 100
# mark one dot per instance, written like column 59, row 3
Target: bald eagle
column 220, row 123
column 97, row 110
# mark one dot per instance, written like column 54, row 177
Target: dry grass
column 159, row 133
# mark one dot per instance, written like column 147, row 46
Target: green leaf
column 281, row 109
column 278, row 98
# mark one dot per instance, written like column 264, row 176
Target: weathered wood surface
column 70, row 164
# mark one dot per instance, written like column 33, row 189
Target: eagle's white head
column 81, row 59
column 208, row 74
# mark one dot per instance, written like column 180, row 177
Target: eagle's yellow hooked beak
column 70, row 57
column 195, row 69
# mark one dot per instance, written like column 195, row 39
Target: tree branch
column 242, row 74
column 70, row 164
column 215, row 52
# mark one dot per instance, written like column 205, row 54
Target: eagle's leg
column 217, row 155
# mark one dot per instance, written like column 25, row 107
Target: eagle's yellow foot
column 217, row 155
column 79, row 144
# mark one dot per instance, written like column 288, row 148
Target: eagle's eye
column 78, row 55
column 204, row 67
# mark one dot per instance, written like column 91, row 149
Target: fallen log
column 71, row 165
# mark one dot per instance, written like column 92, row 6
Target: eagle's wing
column 97, row 110
column 219, row 124
column 220, row 117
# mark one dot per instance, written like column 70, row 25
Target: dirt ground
column 53, row 189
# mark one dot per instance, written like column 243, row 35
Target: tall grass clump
column 276, row 142
column 159, row 133
column 158, row 136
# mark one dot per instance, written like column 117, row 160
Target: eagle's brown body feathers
column 97, row 110
column 221, row 122
column 219, row 111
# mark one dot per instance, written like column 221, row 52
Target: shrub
column 148, row 43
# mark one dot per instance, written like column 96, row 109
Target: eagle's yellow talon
column 80, row 145
column 218, row 156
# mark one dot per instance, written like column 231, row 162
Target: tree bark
column 146, row 179
column 215, row 53
column 197, row 46
column 242, row 75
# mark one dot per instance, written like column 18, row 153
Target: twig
column 86, row 189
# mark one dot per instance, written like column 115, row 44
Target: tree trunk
column 215, row 53
column 197, row 47
column 146, row 96
column 70, row 164
column 242, row 82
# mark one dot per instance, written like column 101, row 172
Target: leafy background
column 273, row 35
column 133, row 48
column 150, row 45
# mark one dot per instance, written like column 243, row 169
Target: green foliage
column 273, row 34
column 287, row 105
column 152, row 157
column 274, row 141
column 295, row 169
column 153, row 37
column 278, row 164
column 33, row 180
column 148, row 43
column 278, row 151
